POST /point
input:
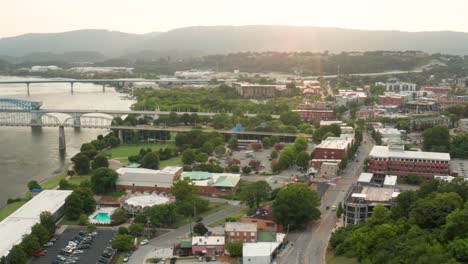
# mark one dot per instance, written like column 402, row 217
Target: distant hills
column 97, row 45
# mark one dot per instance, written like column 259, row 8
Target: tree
column 47, row 220
column 83, row 220
column 302, row 160
column 103, row 180
column 123, row 242
column 17, row 255
column 246, row 169
column 73, row 207
column 208, row 148
column 432, row 211
column 150, row 161
column 34, row 185
column 30, row 244
column 274, row 154
column 287, row 156
column 183, row 189
column 201, row 157
column 66, row 185
column 81, row 164
column 136, row 229
column 459, row 249
column 220, row 150
column 256, row 146
column 234, row 248
column 295, row 206
column 403, row 203
column 255, row 193
column 300, row 144
column 413, row 179
column 87, row 200
column 232, row 169
column 459, row 146
column 122, row 230
column 189, row 156
column 119, row 216
column 291, row 118
column 200, row 229
column 380, row 215
column 436, row 138
column 100, row 162
column 457, row 224
column 233, row 143
column 339, row 211
column 40, row 232
column 266, row 142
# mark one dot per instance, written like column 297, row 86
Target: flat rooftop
column 18, row 224
column 341, row 142
column 240, row 226
column 365, row 177
column 460, row 166
column 386, row 152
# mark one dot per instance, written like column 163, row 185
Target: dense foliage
column 426, row 226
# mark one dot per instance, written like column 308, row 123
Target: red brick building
column 264, row 219
column 317, row 111
column 241, row 231
column 437, row 90
column 334, row 148
column 393, row 160
column 392, row 100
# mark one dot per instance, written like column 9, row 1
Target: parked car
column 48, row 244
column 40, row 253
column 144, row 242
column 126, row 259
column 333, row 208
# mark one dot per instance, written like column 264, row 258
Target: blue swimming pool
column 102, row 217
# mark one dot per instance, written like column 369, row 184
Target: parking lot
column 90, row 255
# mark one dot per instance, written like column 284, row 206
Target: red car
column 40, row 253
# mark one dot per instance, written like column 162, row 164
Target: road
column 169, row 239
column 309, row 246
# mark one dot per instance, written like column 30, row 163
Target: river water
column 27, row 154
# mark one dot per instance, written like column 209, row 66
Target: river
column 26, row 154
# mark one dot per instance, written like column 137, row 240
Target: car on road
column 144, row 242
column 328, row 207
column 40, row 253
column 333, row 208
column 126, row 259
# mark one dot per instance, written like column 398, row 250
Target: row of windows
column 244, row 233
column 411, row 160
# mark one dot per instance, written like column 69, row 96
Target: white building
column 261, row 252
column 389, row 134
column 140, row 179
column 346, row 97
column 193, row 74
column 463, row 125
column 19, row 223
column 40, row 68
column 398, row 86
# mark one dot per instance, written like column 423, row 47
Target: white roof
column 386, row 152
column 386, row 132
column 328, row 123
column 341, row 142
column 208, row 240
column 365, row 177
column 445, row 178
column 259, row 249
column 20, row 222
column 359, row 195
column 147, row 177
column 147, row 200
column 239, row 226
column 390, row 180
column 234, row 177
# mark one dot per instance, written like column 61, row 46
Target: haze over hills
column 226, row 39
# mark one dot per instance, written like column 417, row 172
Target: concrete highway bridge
column 21, row 113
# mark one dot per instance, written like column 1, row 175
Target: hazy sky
column 142, row 16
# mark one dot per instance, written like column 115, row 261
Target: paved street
column 309, row 247
column 169, row 239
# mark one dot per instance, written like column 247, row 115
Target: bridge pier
column 27, row 87
column 62, row 143
column 71, row 87
column 36, row 119
column 104, row 88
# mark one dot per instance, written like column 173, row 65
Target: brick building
column 398, row 100
column 264, row 219
column 394, row 160
column 241, row 231
column 334, row 148
column 146, row 180
column 316, row 111
column 250, row 90
column 437, row 90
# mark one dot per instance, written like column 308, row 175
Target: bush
column 234, row 248
column 123, row 230
column 246, row 169
column 33, row 185
column 83, row 220
column 119, row 216
column 13, row 200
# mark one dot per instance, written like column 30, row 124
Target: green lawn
column 10, row 208
column 77, row 179
column 236, row 215
column 53, row 182
column 68, row 222
column 213, row 208
column 332, row 259
column 124, row 151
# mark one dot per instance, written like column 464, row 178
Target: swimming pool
column 102, row 217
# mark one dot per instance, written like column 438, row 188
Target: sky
column 142, row 16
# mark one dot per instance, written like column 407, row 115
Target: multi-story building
column 463, row 125
column 316, row 111
column 422, row 105
column 392, row 99
column 264, row 219
column 334, row 147
column 394, row 160
column 398, row 86
column 250, row 90
column 428, row 122
column 369, row 191
column 241, row 231
column 367, row 114
column 437, row 89
column 345, row 97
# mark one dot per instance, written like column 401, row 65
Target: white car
column 125, row 259
column 333, row 208
column 144, row 242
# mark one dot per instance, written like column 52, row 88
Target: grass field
column 10, row 208
column 332, row 259
column 53, row 182
column 122, row 153
column 236, row 215
column 77, row 179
